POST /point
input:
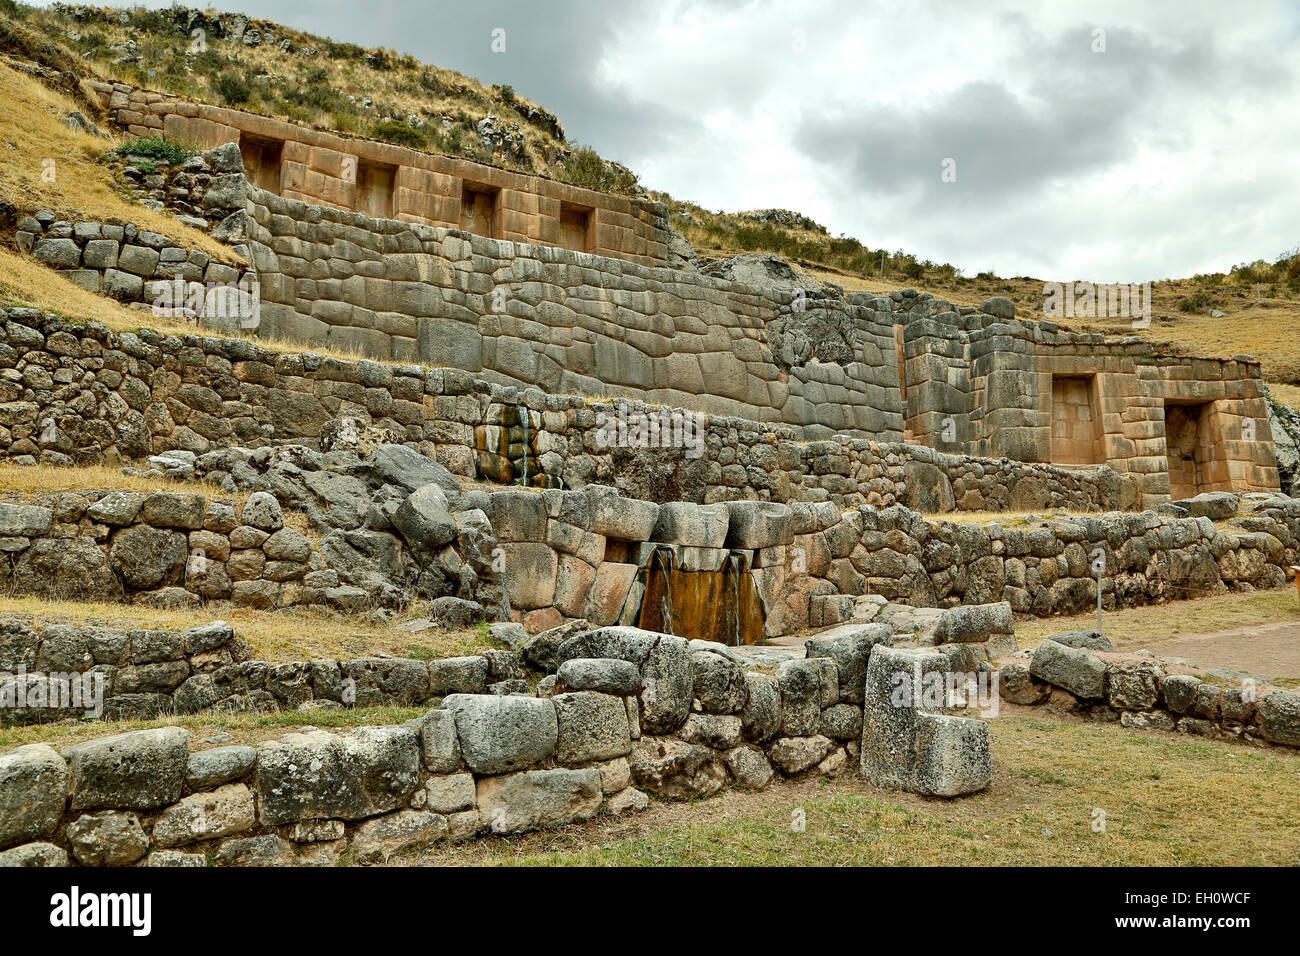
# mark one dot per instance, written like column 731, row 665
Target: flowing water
column 718, row 606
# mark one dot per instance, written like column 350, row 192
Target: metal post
column 1098, row 602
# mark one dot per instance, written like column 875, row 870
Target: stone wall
column 138, row 266
column 83, row 394
column 628, row 711
column 145, row 674
column 1140, row 694
column 330, row 170
column 568, row 322
column 985, row 385
column 165, row 549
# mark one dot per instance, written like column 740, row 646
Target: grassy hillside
column 265, row 67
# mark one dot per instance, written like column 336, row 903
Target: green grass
column 1168, row 800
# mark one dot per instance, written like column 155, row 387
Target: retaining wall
column 329, row 169
column 1139, row 694
column 630, row 711
column 83, row 394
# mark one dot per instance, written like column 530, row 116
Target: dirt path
column 1264, row 650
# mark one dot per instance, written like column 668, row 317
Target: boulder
column 1088, row 640
column 675, row 769
column 542, row 651
column 794, row 755
column 262, row 511
column 752, row 525
column 34, row 854
column 439, row 744
column 458, row 675
column 762, row 716
column 140, row 770
column 973, row 623
column 606, row 675
column 380, row 838
column 999, row 306
column 1215, row 505
column 1279, row 717
column 107, row 838
column 904, row 744
column 842, row 722
column 407, row 469
column 1134, row 685
column 801, row 697
column 217, row 765
column 719, row 731
column 449, row 793
column 1017, row 686
column 749, row 766
column 623, row 519
column 33, row 791
column 319, row 775
column 1075, row 669
column 534, row 798
column 718, row 683
column 700, row 526
column 146, row 557
column 849, row 646
column 203, row 816
column 590, row 726
column 1180, row 692
column 423, row 519
column 499, row 734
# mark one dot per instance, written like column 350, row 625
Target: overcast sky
column 1110, row 141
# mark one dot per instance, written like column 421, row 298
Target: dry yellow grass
column 53, row 167
column 43, row 479
column 1286, row 394
column 284, row 635
column 1130, row 627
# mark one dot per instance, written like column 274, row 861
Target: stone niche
column 479, row 210
column 375, row 182
column 1076, row 424
column 576, row 227
column 262, row 161
column 1194, row 441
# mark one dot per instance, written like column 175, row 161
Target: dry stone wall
column 81, row 394
column 63, row 671
column 127, row 263
column 629, row 711
column 1140, row 694
column 566, row 322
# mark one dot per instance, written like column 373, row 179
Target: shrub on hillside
column 233, row 89
column 585, row 168
column 399, row 133
column 157, row 147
